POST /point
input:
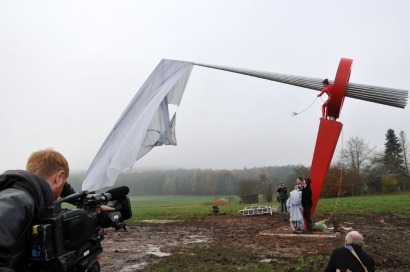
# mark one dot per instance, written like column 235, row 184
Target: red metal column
column 326, row 141
column 329, row 132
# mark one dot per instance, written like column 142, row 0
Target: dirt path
column 267, row 237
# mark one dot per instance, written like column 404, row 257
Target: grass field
column 178, row 207
column 195, row 207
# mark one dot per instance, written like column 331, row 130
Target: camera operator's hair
column 354, row 237
column 46, row 162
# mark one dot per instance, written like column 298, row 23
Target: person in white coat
column 294, row 205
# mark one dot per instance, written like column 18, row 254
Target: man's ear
column 60, row 176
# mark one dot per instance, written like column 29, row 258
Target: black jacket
column 307, row 197
column 23, row 197
column 343, row 259
column 283, row 192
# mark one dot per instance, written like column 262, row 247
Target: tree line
column 361, row 169
column 194, row 181
column 357, row 169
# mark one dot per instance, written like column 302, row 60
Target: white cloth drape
column 145, row 123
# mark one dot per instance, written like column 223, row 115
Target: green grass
column 173, row 200
column 197, row 207
column 178, row 207
column 398, row 204
column 152, row 207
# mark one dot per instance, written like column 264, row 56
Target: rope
column 323, row 100
column 296, row 113
column 340, row 186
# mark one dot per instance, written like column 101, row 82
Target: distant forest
column 198, row 181
column 358, row 169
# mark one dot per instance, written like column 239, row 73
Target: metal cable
column 381, row 95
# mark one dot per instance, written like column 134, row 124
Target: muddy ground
column 223, row 243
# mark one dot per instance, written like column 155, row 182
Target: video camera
column 70, row 239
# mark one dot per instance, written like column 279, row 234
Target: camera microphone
column 117, row 193
column 112, row 194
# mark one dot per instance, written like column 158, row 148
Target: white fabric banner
column 145, row 123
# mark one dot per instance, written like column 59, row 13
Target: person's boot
column 335, row 225
column 309, row 227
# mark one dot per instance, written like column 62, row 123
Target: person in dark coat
column 307, row 203
column 351, row 257
column 283, row 196
column 23, row 197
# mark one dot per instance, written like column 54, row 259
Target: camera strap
column 350, row 248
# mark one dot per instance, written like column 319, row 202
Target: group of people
column 298, row 204
column 348, row 258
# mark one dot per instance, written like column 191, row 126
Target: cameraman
column 23, row 196
column 283, row 196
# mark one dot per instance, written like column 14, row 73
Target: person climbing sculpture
column 327, row 88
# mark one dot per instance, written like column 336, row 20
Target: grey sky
column 69, row 68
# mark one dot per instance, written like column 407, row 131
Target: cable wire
column 340, row 186
column 296, row 113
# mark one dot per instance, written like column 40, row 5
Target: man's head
column 50, row 165
column 354, row 237
column 325, row 82
column 306, row 182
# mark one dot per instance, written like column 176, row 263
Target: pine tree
column 393, row 158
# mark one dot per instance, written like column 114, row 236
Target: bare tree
column 266, row 187
column 356, row 157
column 300, row 171
column 248, row 190
column 333, row 185
column 404, row 146
column 248, row 187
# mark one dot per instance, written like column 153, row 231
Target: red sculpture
column 329, row 128
column 329, row 132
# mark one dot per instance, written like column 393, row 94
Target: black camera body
column 70, row 239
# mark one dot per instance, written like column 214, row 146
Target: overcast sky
column 68, row 69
